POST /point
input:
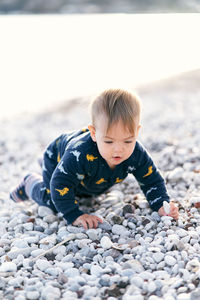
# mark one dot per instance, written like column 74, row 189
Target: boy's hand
column 87, row 221
column 173, row 211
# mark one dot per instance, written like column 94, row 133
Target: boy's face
column 115, row 145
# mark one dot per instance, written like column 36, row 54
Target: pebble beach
column 134, row 254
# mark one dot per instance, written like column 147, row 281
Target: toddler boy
column 88, row 162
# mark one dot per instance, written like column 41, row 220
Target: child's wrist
column 71, row 216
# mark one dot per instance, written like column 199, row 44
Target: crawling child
column 88, row 162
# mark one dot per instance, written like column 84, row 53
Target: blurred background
column 52, row 51
column 98, row 6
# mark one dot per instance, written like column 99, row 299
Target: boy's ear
column 92, row 132
column 138, row 129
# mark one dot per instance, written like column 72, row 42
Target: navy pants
column 41, row 196
column 41, row 191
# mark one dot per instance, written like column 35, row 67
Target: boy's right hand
column 173, row 211
column 87, row 221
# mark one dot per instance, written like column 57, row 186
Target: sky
column 48, row 59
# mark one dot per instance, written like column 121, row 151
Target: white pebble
column 181, row 232
column 166, row 207
column 194, row 200
column 120, row 230
column 44, row 211
column 32, row 295
column 176, row 174
column 193, row 265
column 92, row 234
column 170, row 260
column 134, row 264
column 20, row 243
column 154, row 297
column 152, row 287
column 72, row 272
column 28, row 226
column 50, row 292
column 106, row 243
column 158, row 257
column 116, row 193
column 8, row 267
column 137, row 280
column 133, row 297
column 96, row 270
column 43, row 264
column 183, row 296
column 83, row 243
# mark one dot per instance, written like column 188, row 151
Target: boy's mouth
column 116, row 158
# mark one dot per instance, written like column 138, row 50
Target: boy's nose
column 119, row 148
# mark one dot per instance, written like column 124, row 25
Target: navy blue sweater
column 74, row 166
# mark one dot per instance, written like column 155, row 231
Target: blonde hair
column 117, row 104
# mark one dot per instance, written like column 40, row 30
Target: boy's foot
column 19, row 194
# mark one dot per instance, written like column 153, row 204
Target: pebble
column 72, row 272
column 120, row 230
column 106, row 243
column 96, row 270
column 158, row 256
column 19, row 243
column 37, row 252
column 44, row 211
column 92, row 234
column 105, row 226
column 170, row 260
column 32, row 295
column 195, row 294
column 13, row 253
column 193, row 265
column 152, row 287
column 8, row 267
column 134, row 265
column 28, row 226
column 176, row 174
column 166, row 207
column 183, row 296
column 133, row 297
column 181, row 232
column 82, row 243
column 51, row 293
column 42, row 264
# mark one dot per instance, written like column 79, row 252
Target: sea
column 46, row 60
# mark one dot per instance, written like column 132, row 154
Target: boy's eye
column 108, row 142
column 128, row 142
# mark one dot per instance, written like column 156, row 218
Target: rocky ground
column 134, row 254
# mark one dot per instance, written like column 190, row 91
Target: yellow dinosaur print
column 58, row 158
column 100, row 181
column 82, row 183
column 76, row 202
column 48, row 191
column 57, row 142
column 118, row 180
column 63, row 191
column 150, row 171
column 90, row 157
column 20, row 192
column 84, row 129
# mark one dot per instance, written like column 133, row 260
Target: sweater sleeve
column 149, row 179
column 65, row 179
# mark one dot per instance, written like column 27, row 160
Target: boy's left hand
column 173, row 211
